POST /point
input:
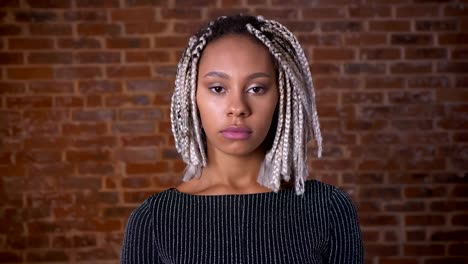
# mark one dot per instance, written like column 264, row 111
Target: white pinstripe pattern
column 173, row 227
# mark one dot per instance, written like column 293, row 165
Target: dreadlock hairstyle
column 296, row 110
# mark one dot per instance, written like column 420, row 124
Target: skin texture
column 236, row 88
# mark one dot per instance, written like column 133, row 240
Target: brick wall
column 85, row 130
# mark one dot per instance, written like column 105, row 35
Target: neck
column 229, row 171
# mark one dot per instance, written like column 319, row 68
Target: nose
column 238, row 106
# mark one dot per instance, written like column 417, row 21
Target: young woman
column 242, row 113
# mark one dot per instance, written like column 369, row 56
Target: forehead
column 236, row 53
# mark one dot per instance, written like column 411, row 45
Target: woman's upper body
column 242, row 113
column 320, row 226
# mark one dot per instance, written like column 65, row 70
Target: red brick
column 459, row 235
column 10, row 30
column 152, row 56
column 69, row 101
column 97, row 57
column 324, row 68
column 341, row 26
column 161, row 3
column 452, row 67
column 230, row 3
column 138, row 155
column 380, row 54
column 29, row 102
column 45, row 143
column 382, row 250
column 411, row 11
column 369, row 11
column 214, row 13
column 30, row 73
column 39, row 115
column 364, row 68
column 99, row 87
column 460, row 219
column 455, row 10
column 78, row 72
column 411, row 39
column 453, row 39
column 366, row 39
column 99, row 29
column 416, row 235
column 428, row 82
column 127, row 100
column 50, row 57
column 84, row 129
column 128, row 71
column 140, row 114
column 79, row 43
column 424, row 220
column 412, row 124
column 321, row 54
column 145, row 27
column 94, row 142
column 278, row 13
column 128, row 128
column 94, row 101
column 170, row 42
column 11, row 58
column 411, row 68
column 138, row 141
column 49, row 4
column 147, row 168
column 35, row 15
column 458, row 250
column 426, row 250
column 409, row 206
column 142, row 14
column 39, row 157
column 459, row 54
column 50, row 29
column 127, row 43
column 80, row 183
column 323, row 12
column 11, row 88
column 181, row 13
column 386, row 193
column 10, row 3
column 460, row 191
column 425, row 192
column 398, row 261
column 98, row 3
column 384, row 83
column 378, row 220
column 100, row 225
column 452, row 95
column 439, row 25
column 85, row 15
column 92, row 115
column 390, row 25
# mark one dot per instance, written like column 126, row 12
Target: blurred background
column 85, row 130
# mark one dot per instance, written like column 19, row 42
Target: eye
column 256, row 90
column 217, row 89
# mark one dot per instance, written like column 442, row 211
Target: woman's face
column 236, row 94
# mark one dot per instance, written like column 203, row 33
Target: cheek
column 207, row 111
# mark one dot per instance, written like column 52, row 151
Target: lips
column 236, row 133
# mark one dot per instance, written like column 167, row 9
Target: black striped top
column 320, row 226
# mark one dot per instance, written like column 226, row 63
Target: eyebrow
column 226, row 76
